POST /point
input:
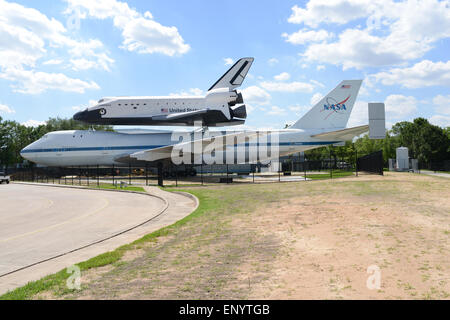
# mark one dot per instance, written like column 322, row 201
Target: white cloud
column 190, row 92
column 317, row 83
column 276, row 111
column 82, row 64
column 358, row 49
column 91, row 103
column 287, row 86
column 5, row 109
column 52, row 62
column 272, row 61
column 31, row 82
column 304, row 36
column 359, row 115
column 26, row 36
column 329, row 11
column 33, row 123
column 400, row 106
column 282, row 76
column 423, row 74
column 396, row 32
column 442, row 104
column 140, row 32
column 316, row 98
column 320, row 67
column 91, row 49
column 255, row 95
column 440, row 120
column 228, row 61
column 298, row 109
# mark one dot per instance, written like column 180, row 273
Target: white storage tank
column 402, row 159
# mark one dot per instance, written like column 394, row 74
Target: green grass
column 112, row 187
column 335, row 174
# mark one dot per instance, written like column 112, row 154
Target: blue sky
column 56, row 57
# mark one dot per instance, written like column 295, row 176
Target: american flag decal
column 346, row 86
column 164, row 110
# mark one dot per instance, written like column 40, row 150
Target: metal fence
column 443, row 165
column 371, row 163
column 117, row 176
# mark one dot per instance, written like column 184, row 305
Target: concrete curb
column 189, row 195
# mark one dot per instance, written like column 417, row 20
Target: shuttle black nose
column 81, row 116
column 89, row 116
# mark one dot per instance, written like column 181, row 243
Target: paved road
column 40, row 222
column 437, row 174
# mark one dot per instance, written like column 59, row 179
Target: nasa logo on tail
column 334, row 106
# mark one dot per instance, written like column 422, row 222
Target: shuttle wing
column 342, row 135
column 180, row 115
column 222, row 142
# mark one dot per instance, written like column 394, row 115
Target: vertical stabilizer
column 234, row 77
column 333, row 110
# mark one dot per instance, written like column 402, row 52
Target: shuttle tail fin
column 234, row 77
column 333, row 110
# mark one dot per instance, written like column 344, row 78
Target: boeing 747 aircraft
column 221, row 106
column 325, row 124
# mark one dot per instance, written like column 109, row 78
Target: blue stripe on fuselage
column 312, row 143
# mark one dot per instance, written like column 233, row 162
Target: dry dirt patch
column 303, row 240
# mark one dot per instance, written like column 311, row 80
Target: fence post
column 331, row 165
column 176, row 176
column 98, row 179
column 113, row 175
column 87, row 175
column 279, row 170
column 146, row 174
column 356, row 161
column 254, row 168
column 227, row 173
column 129, row 173
column 304, row 166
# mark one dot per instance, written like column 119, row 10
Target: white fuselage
column 81, row 148
column 217, row 107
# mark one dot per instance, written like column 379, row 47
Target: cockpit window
column 101, row 100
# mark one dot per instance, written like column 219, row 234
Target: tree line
column 426, row 142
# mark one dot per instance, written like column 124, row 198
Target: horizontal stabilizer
column 342, row 135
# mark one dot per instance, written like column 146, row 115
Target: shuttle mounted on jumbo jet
column 325, row 124
column 221, row 106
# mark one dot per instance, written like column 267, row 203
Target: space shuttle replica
column 221, row 106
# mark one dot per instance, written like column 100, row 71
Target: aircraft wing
column 166, row 151
column 343, row 134
column 180, row 115
column 207, row 116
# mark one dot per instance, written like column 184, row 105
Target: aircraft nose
column 24, row 152
column 80, row 116
column 89, row 116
